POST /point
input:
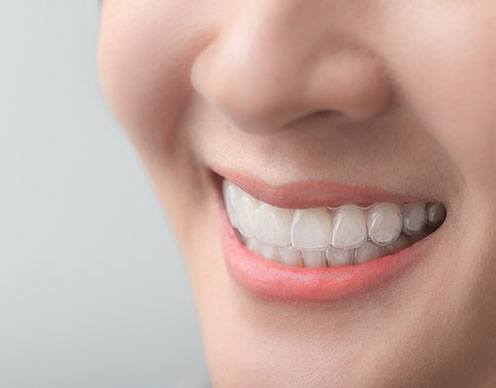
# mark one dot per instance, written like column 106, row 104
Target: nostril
column 324, row 113
column 319, row 115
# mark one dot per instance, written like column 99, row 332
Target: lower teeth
column 331, row 257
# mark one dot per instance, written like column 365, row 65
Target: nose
column 275, row 62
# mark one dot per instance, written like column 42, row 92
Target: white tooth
column 313, row 259
column 367, row 252
column 401, row 243
column 253, row 245
column 273, row 225
column 350, row 227
column 414, row 218
column 231, row 196
column 338, row 257
column 270, row 252
column 436, row 213
column 384, row 223
column 245, row 214
column 311, row 229
column 290, row 256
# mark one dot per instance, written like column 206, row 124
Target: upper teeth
column 350, row 227
column 311, row 229
column 316, row 230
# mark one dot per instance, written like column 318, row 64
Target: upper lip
column 311, row 193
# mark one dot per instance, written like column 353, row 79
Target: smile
column 321, row 237
column 324, row 252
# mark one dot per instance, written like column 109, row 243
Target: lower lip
column 271, row 280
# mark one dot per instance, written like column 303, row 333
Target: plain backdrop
column 93, row 291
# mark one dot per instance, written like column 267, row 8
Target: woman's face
column 314, row 105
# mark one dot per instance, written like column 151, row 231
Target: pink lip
column 272, row 280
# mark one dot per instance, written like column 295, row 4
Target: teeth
column 231, row 194
column 350, row 227
column 414, row 218
column 368, row 251
column 384, row 223
column 313, row 259
column 436, row 214
column 273, row 225
column 322, row 237
column 240, row 209
column 245, row 215
column 401, row 243
column 253, row 245
column 269, row 252
column 339, row 257
column 311, row 229
column 290, row 256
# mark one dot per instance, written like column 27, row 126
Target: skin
column 398, row 95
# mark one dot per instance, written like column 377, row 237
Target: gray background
column 93, row 292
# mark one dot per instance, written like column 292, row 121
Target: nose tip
column 265, row 77
column 249, row 90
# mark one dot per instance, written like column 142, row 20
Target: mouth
column 320, row 241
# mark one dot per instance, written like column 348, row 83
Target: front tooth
column 367, row 252
column 384, row 223
column 231, row 196
column 270, row 252
column 436, row 214
column 273, row 225
column 350, row 227
column 290, row 256
column 414, row 218
column 313, row 259
column 245, row 214
column 311, row 229
column 339, row 257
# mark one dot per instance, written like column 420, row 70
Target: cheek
column 448, row 62
column 145, row 54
